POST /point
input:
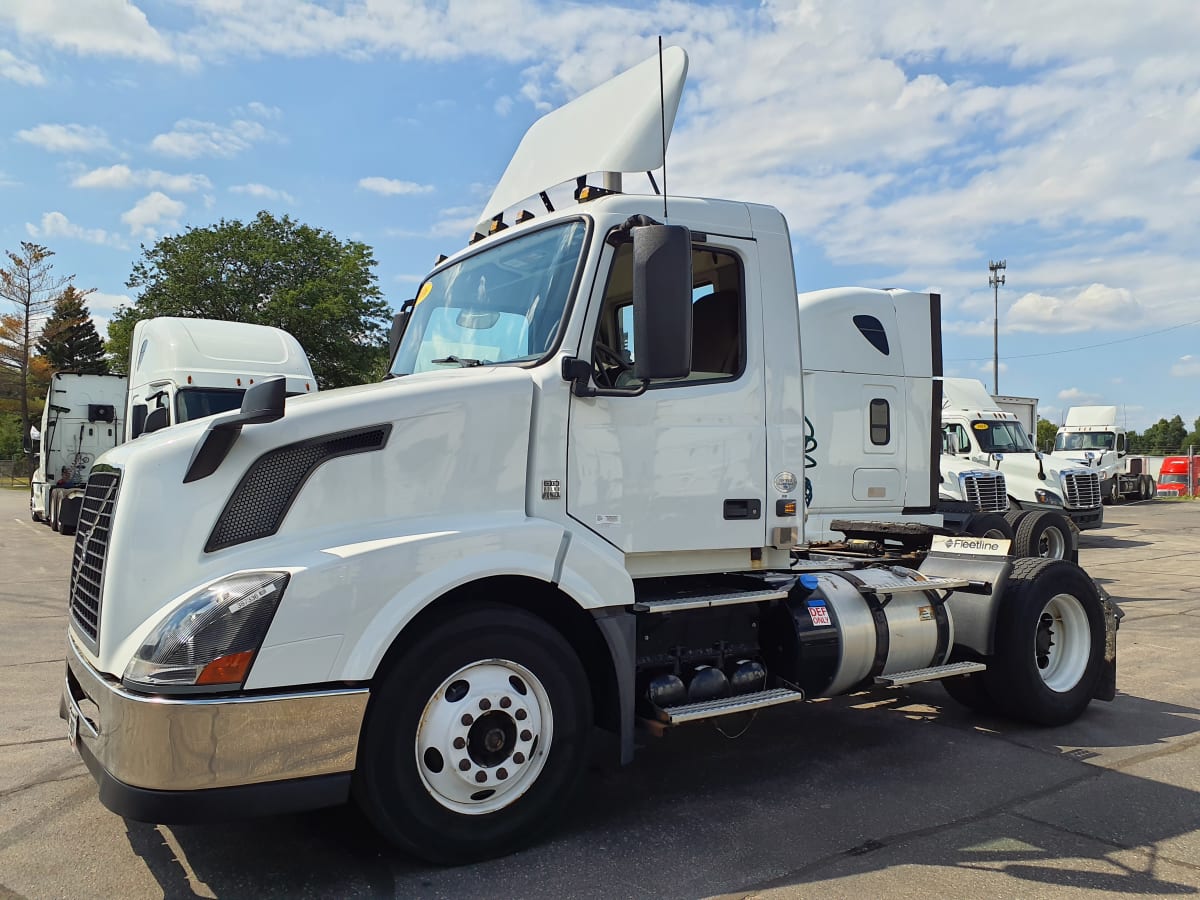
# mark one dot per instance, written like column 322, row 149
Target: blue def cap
column 809, row 582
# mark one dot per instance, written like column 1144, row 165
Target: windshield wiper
column 465, row 363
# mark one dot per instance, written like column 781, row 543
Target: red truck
column 1173, row 477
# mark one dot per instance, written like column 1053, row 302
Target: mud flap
column 1106, row 688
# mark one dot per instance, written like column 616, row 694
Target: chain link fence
column 15, row 471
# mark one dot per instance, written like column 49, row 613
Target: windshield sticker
column 426, row 290
column 981, row 426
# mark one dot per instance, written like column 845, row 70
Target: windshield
column 1173, row 479
column 1079, row 440
column 1001, row 437
column 505, row 304
column 196, row 403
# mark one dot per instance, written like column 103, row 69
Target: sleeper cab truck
column 1091, row 436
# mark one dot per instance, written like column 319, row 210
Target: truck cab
column 978, row 430
column 1092, row 436
column 573, row 504
column 184, row 369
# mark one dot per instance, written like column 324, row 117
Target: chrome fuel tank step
column 933, row 673
column 725, row 706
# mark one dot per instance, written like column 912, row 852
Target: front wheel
column 475, row 738
column 1049, row 643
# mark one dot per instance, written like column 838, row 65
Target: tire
column 415, row 743
column 991, row 525
column 1114, row 491
column 1049, row 643
column 1046, row 535
column 1013, row 517
column 1148, row 491
column 972, row 692
column 54, row 526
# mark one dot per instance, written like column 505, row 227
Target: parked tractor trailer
column 573, row 503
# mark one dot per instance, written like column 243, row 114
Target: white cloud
column 66, row 138
column 392, row 186
column 93, row 28
column 985, row 368
column 262, row 192
column 1186, row 367
column 191, row 138
column 409, row 279
column 121, row 176
column 153, row 213
column 102, row 306
column 503, row 105
column 57, row 225
column 263, row 111
column 457, row 222
column 6, row 181
column 1093, row 308
column 19, row 70
column 1077, row 396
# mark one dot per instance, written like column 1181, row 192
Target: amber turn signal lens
column 230, row 669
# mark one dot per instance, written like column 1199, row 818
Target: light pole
column 995, row 279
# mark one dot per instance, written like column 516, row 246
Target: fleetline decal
column 966, row 544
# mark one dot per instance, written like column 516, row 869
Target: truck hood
column 446, row 441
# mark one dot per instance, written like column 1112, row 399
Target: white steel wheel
column 1051, row 545
column 483, row 737
column 1062, row 645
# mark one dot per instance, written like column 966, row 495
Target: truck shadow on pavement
column 804, row 797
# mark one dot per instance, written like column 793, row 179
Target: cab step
column 933, row 673
column 703, row 601
column 726, row 706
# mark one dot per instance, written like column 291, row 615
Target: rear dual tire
column 1049, row 647
column 1045, row 534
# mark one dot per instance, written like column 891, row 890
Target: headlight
column 1049, row 498
column 210, row 640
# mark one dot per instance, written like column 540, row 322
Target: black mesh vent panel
column 271, row 484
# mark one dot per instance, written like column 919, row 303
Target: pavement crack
column 45, row 740
column 1116, row 845
column 4, row 795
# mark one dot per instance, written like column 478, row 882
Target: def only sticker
column 818, row 612
column 975, row 545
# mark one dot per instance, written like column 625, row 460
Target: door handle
column 743, row 509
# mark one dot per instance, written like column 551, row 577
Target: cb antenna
column 662, row 108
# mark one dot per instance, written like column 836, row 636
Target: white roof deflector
column 614, row 127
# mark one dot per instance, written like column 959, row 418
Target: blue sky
column 907, row 144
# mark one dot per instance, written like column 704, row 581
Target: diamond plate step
column 677, row 604
column 899, row 584
column 933, row 673
column 710, row 709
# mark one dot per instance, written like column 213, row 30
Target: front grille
column 986, row 490
column 91, row 547
column 1082, row 489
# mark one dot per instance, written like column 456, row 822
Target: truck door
column 683, row 465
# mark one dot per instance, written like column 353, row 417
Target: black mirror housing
column 662, row 301
column 157, row 419
column 399, row 324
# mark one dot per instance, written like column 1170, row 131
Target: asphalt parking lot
column 895, row 793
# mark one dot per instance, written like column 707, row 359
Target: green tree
column 29, row 283
column 1046, row 432
column 1164, row 436
column 1193, row 438
column 271, row 272
column 69, row 341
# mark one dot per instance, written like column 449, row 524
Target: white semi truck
column 1093, row 437
column 184, row 369
column 977, row 429
column 83, row 418
column 573, row 504
column 871, row 356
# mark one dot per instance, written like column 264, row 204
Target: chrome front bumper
column 202, row 744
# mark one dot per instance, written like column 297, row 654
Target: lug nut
column 520, row 715
column 501, row 774
column 460, row 743
column 467, row 719
column 518, row 758
column 481, row 777
column 464, row 764
column 485, row 704
column 527, row 735
column 505, row 702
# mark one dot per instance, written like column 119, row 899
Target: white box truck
column 83, row 417
column 1025, row 409
column 573, row 504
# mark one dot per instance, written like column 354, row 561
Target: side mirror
column 262, row 403
column 137, row 419
column 662, row 301
column 399, row 324
column 158, row 418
